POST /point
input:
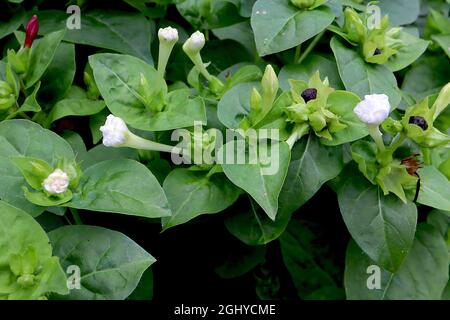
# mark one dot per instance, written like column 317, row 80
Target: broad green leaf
column 435, row 189
column 124, row 32
column 304, row 71
column 75, row 107
column 235, row 104
column 193, row 193
column 60, row 74
column 342, row 103
column 13, row 23
column 241, row 32
column 25, row 250
column 363, row 78
column 101, row 153
column 262, row 181
column 144, row 289
column 25, row 138
column 400, row 11
column 41, row 56
column 120, row 186
column 426, row 77
column 383, row 226
column 29, row 105
column 422, row 276
column 118, row 78
column 240, row 259
column 444, row 41
column 312, row 164
column 412, row 48
column 111, row 264
column 278, row 25
column 312, row 272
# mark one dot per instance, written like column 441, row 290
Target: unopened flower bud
column 194, row 44
column 168, row 34
column 57, row 182
column 32, row 30
column 374, row 109
column 114, row 131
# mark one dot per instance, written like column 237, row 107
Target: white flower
column 195, row 43
column 168, row 34
column 374, row 109
column 114, row 131
column 57, row 182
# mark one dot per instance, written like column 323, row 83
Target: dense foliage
column 114, row 158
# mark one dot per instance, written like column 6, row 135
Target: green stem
column 426, row 156
column 76, row 216
column 311, row 47
column 376, row 135
column 298, row 50
column 22, row 87
column 165, row 50
column 397, row 142
column 137, row 142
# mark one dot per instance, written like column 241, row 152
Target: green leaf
column 310, row 267
column 28, row 139
column 29, row 105
column 13, row 23
column 118, row 78
column 124, row 32
column 240, row 32
column 312, row 164
column 342, row 104
column 426, row 77
column 435, row 189
column 304, row 71
column 111, row 264
column 240, row 259
column 400, row 11
column 383, row 226
column 60, row 74
column 279, row 26
column 41, row 56
column 412, row 48
column 259, row 179
column 444, row 41
column 120, row 186
column 422, row 276
column 25, row 249
column 101, row 153
column 193, row 193
column 362, row 78
column 75, row 107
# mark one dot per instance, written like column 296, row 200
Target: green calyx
column 19, row 61
column 382, row 169
column 310, row 108
column 36, row 171
column 377, row 43
column 418, row 122
column 7, row 96
column 25, row 267
column 308, row 4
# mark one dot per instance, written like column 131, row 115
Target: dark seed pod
column 419, row 121
column 309, row 94
column 377, row 52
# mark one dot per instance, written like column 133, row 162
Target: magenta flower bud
column 32, row 30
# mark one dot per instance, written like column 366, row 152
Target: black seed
column 419, row 121
column 377, row 52
column 309, row 94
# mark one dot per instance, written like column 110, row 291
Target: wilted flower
column 57, row 182
column 374, row 109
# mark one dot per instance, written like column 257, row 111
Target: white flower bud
column 168, row 34
column 195, row 43
column 114, row 131
column 374, row 109
column 57, row 182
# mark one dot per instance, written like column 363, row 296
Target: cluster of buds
column 261, row 102
column 310, row 109
column 308, row 4
column 7, row 95
column 19, row 60
column 377, row 43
